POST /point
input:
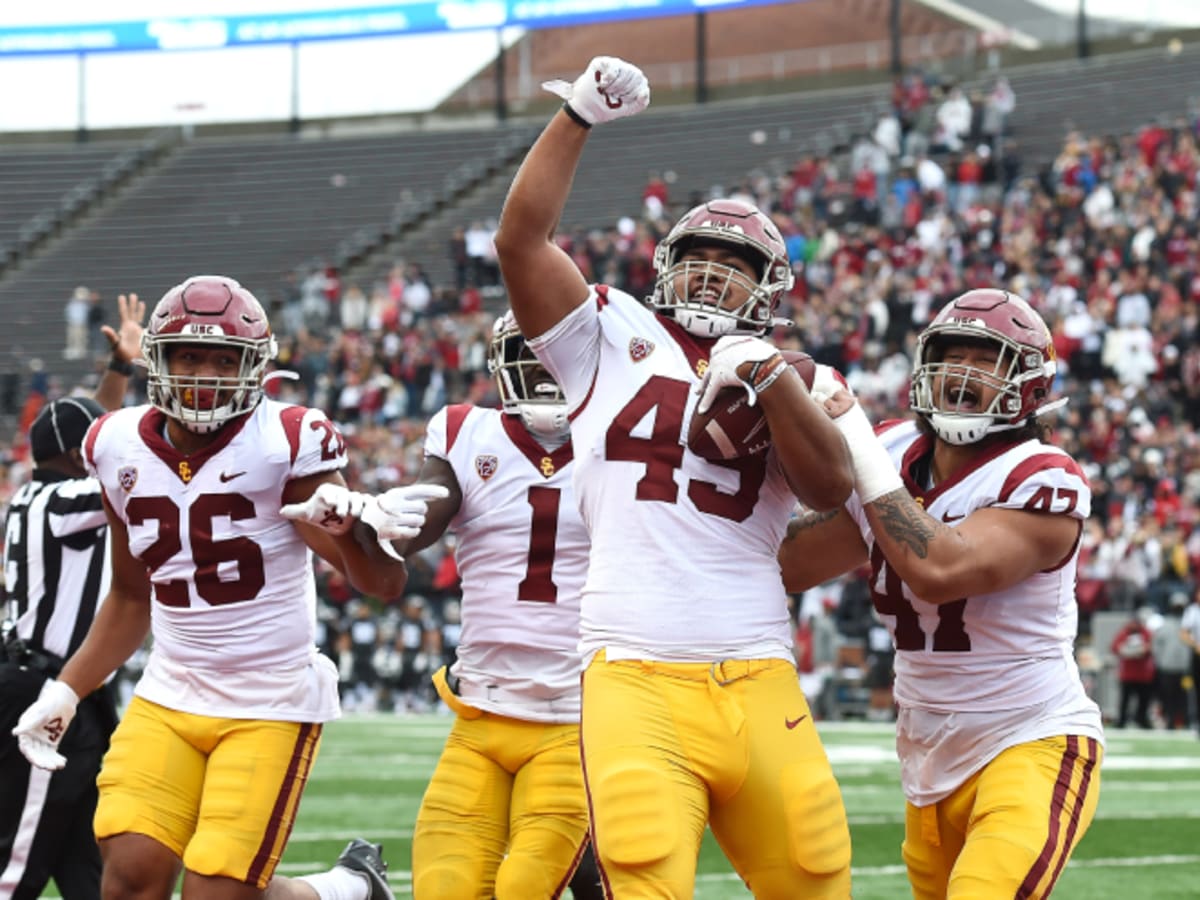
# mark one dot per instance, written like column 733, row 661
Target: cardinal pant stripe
column 1060, row 842
column 283, row 816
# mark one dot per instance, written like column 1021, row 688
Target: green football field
column 1145, row 842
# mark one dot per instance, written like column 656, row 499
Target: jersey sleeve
column 570, row 350
column 436, row 443
column 1048, row 481
column 317, row 444
column 90, row 438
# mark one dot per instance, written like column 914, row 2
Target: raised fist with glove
column 332, row 507
column 44, row 722
column 399, row 513
column 739, row 360
column 609, row 88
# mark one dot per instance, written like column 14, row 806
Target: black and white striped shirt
column 56, row 563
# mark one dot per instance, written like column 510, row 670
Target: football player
column 970, row 522
column 692, row 710
column 201, row 487
column 505, row 814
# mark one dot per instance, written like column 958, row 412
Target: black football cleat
column 363, row 856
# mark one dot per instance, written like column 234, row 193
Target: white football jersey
column 522, row 553
column 986, row 672
column 234, row 599
column 683, row 558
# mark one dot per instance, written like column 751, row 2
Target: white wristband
column 874, row 472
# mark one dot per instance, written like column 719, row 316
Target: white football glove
column 400, row 513
column 333, row 507
column 609, row 88
column 827, row 381
column 43, row 724
column 727, row 356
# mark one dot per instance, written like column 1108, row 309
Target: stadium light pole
column 81, row 127
column 294, row 121
column 894, row 33
column 501, row 91
column 1081, row 33
column 701, row 57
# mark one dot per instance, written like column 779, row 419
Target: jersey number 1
column 538, row 584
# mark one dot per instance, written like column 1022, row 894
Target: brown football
column 732, row 428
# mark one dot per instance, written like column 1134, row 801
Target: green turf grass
column 1145, row 842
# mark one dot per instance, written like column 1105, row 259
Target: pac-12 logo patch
column 640, row 348
column 486, row 465
column 127, row 477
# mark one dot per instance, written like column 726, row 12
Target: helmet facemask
column 180, row 396
column 526, row 388
column 950, row 395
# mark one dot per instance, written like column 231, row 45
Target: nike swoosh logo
column 792, row 723
column 226, row 477
column 947, row 518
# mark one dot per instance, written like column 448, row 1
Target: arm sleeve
column 436, row 443
column 570, row 350
column 322, row 448
column 1047, row 482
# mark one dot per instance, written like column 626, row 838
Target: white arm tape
column 874, row 472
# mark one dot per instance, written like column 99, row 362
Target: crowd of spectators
column 935, row 200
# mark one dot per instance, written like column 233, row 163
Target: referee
column 56, row 571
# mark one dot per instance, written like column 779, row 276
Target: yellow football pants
column 1009, row 830
column 671, row 747
column 220, row 793
column 505, row 814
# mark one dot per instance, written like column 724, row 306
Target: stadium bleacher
column 265, row 207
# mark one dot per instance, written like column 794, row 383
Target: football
column 732, row 428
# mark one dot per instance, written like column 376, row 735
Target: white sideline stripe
column 1116, row 862
column 846, row 760
column 983, row 23
column 317, row 837
column 1141, row 787
column 1101, row 814
column 402, row 877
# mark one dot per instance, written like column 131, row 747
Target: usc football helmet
column 526, row 388
column 212, row 311
column 705, row 284
column 947, row 395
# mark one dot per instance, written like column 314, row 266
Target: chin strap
column 1051, row 407
column 287, row 374
column 960, row 430
column 1037, row 413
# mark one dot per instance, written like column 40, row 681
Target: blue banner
column 201, row 32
